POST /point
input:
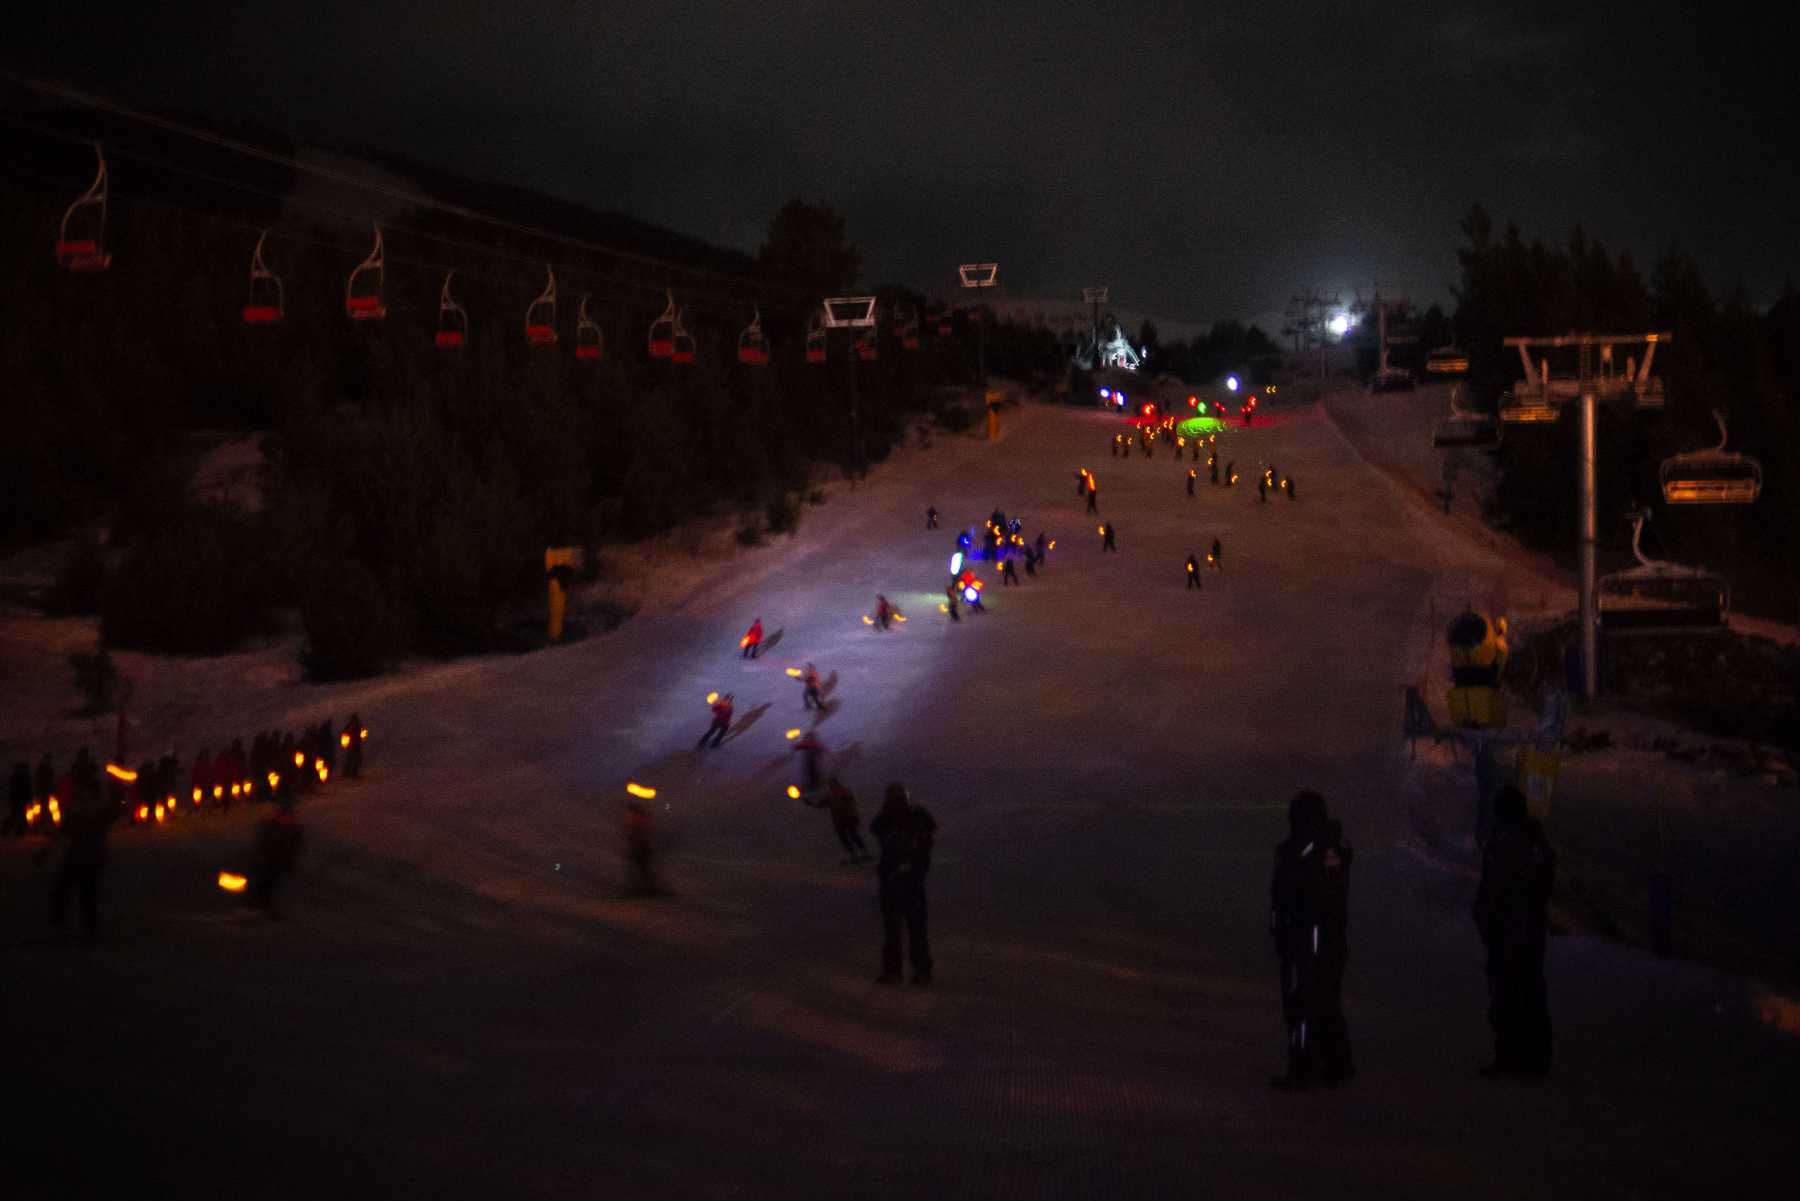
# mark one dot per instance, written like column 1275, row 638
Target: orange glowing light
column 344, row 739
column 900, row 619
column 712, row 697
column 143, row 813
column 867, row 620
column 249, row 787
column 640, row 791
column 744, row 641
column 794, row 791
column 196, row 796
column 232, row 882
column 794, row 671
column 218, row 791
column 943, row 608
column 1100, row 529
column 55, row 812
column 793, row 734
column 1052, row 544
column 363, row 733
column 124, row 774
column 299, row 759
column 274, row 781
column 159, row 815
column 237, row 790
column 324, row 772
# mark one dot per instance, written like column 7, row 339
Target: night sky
column 1205, row 160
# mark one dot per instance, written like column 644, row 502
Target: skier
column 1041, row 541
column 1008, row 575
column 353, row 730
column 1230, row 474
column 201, row 777
column 845, row 821
column 809, row 749
column 1106, row 538
column 1093, row 495
column 752, row 640
column 1262, row 486
column 812, row 698
column 1192, row 476
column 884, row 612
column 1193, row 572
column 721, row 722
column 1114, row 448
column 1287, row 486
column 1309, row 920
column 1512, row 911
column 906, row 833
column 1197, row 451
column 1081, row 482
column 950, row 601
column 1212, row 466
column 1215, row 558
column 931, row 522
column 87, row 817
column 278, row 840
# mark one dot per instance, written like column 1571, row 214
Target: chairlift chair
column 906, row 327
column 540, row 314
column 753, row 348
column 363, row 290
column 1527, row 410
column 681, row 352
column 662, row 331
column 945, row 322
column 1464, row 427
column 1658, row 597
column 1711, row 477
column 453, row 319
column 1447, row 360
column 978, row 275
column 81, row 238
column 815, row 339
column 589, row 341
column 266, row 302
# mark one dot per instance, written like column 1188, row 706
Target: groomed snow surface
column 462, row 1000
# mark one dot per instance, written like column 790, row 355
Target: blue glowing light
column 1231, row 383
column 1105, row 393
column 969, row 594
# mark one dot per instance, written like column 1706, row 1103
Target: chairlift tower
column 1094, row 298
column 980, row 275
column 852, row 313
column 1633, row 386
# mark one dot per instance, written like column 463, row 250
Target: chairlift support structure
column 855, row 313
column 1465, row 427
column 1711, row 477
column 266, row 302
column 752, row 346
column 453, row 319
column 81, row 238
column 364, row 290
column 590, row 342
column 662, row 331
column 540, row 314
column 1658, row 597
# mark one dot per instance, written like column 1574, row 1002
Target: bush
column 354, row 625
column 96, row 678
column 782, row 512
column 79, row 581
column 956, row 418
column 750, row 534
column 197, row 588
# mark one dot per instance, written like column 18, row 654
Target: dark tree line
column 1727, row 355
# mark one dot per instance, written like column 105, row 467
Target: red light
column 1193, row 402
column 1149, row 409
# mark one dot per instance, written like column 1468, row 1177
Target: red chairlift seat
column 815, row 340
column 81, row 238
column 681, row 350
column 866, row 346
column 540, row 314
column 906, row 328
column 267, row 300
column 662, row 331
column 753, row 348
column 589, row 341
column 366, row 305
column 453, row 319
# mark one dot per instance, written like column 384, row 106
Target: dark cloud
column 1204, row 160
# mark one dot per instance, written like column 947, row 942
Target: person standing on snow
column 950, row 601
column 884, row 612
column 1193, row 572
column 1215, row 558
column 1512, row 911
column 1106, row 537
column 812, row 698
column 1192, row 476
column 931, row 522
column 721, row 722
column 752, row 640
column 1309, row 895
column 906, row 833
column 810, row 750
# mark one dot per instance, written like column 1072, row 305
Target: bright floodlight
column 1231, row 383
column 1105, row 393
column 1340, row 324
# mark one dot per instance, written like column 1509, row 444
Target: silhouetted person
column 1106, row 537
column 950, row 600
column 1287, row 486
column 1512, row 911
column 87, row 817
column 1041, row 546
column 1093, row 497
column 1215, row 558
column 1212, row 466
column 18, row 799
column 1192, row 476
column 639, row 852
column 810, row 750
column 752, row 640
column 277, row 850
column 845, row 821
column 1309, row 896
column 931, row 521
column 884, row 612
column 1007, row 574
column 906, row 834
column 1193, row 572
column 354, row 753
column 812, row 697
column 1230, row 474
column 721, row 722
